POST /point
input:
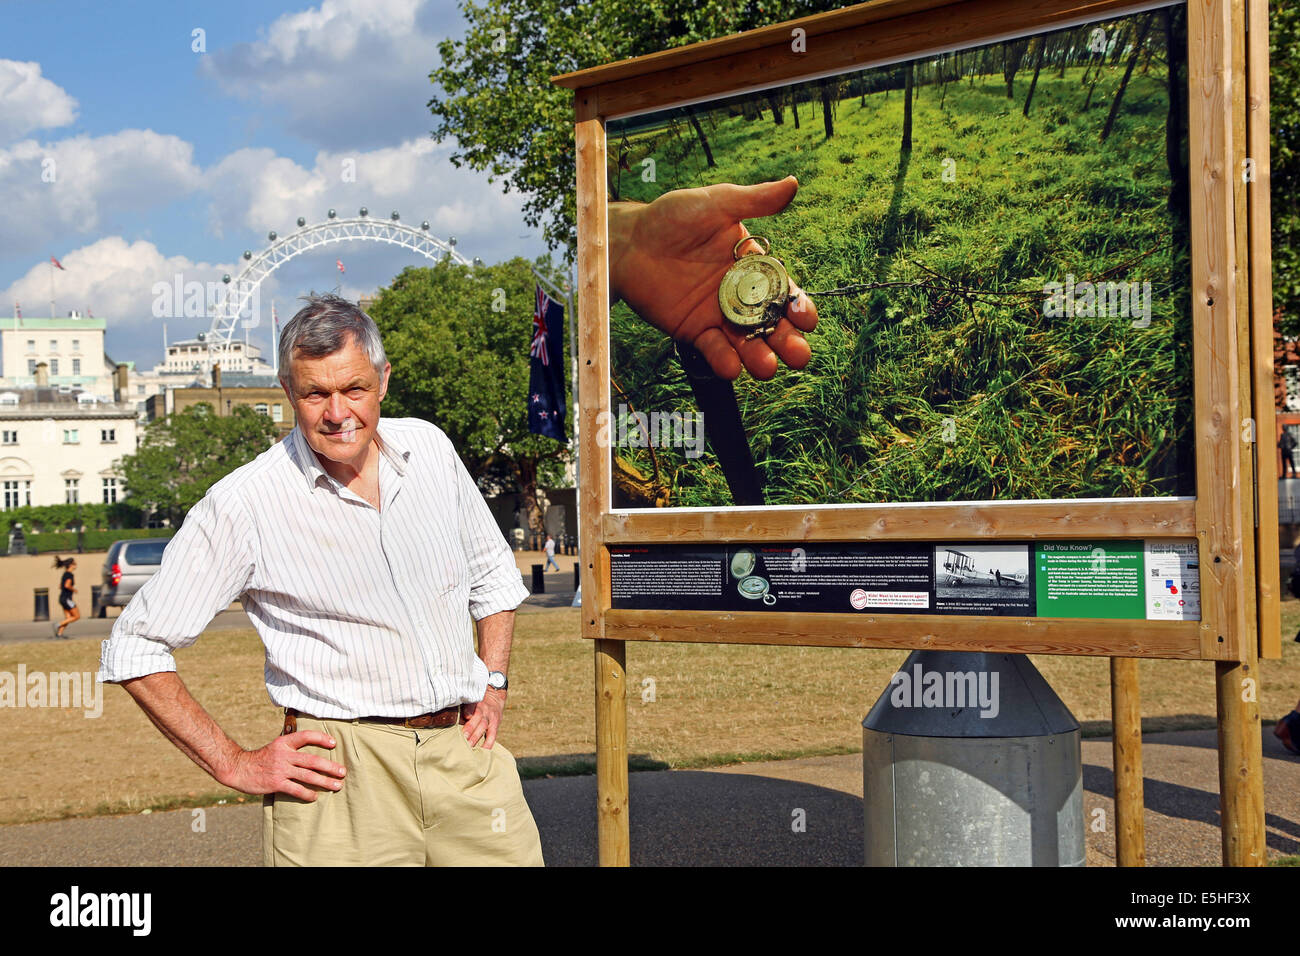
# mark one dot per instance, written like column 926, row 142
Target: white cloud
column 115, row 280
column 258, row 190
column 29, row 101
column 347, row 72
column 72, row 185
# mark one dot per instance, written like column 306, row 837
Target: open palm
column 668, row 258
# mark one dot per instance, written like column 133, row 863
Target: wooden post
column 611, row 755
column 1241, row 771
column 1126, row 732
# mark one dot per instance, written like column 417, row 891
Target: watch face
column 496, row 679
column 742, row 563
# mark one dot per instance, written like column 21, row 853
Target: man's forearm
column 495, row 634
column 166, row 701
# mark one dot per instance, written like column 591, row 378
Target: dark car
column 127, row 566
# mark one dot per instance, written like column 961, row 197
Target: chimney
column 42, row 375
column 216, row 375
column 121, row 382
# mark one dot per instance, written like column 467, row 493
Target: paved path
column 728, row 816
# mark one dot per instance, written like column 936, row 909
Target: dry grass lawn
column 711, row 704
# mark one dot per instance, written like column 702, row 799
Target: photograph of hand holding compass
column 961, row 277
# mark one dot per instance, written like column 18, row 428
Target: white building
column 189, row 357
column 58, row 448
column 72, row 349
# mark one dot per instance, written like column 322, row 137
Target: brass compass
column 756, row 289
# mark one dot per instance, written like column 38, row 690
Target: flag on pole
column 546, row 370
column 18, row 311
column 57, row 263
column 339, row 263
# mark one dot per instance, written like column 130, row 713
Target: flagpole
column 53, row 314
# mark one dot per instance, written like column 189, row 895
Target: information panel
column 1157, row 580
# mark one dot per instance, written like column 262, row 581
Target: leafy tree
column 184, row 454
column 458, row 341
column 495, row 96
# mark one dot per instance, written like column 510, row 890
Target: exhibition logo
column 950, row 690
column 1098, row 300
column 628, row 429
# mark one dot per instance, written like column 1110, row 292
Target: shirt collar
column 390, row 447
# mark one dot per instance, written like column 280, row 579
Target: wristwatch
column 497, row 680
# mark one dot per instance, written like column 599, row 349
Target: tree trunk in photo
column 699, row 133
column 1013, row 53
column 775, row 103
column 794, row 106
column 1128, row 72
column 1175, row 125
column 1038, row 65
column 908, row 81
column 827, row 121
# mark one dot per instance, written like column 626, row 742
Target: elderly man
column 356, row 546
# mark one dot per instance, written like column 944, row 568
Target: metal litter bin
column 979, row 765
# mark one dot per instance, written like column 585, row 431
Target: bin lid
column 969, row 694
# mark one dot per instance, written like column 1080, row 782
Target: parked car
column 127, row 566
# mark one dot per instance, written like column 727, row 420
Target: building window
column 71, row 492
column 27, row 491
column 108, row 435
column 11, row 495
column 10, row 437
column 139, row 389
column 31, row 345
column 54, row 366
column 54, row 345
column 76, row 345
column 277, row 412
column 31, row 366
column 76, row 366
column 71, row 436
column 262, row 408
column 110, row 490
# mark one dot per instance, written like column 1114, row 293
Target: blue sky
column 133, row 158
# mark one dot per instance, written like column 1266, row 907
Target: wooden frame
column 1232, row 360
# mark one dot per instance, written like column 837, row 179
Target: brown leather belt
column 447, row 717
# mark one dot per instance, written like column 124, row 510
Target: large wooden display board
column 1231, row 346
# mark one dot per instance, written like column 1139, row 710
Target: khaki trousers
column 410, row 798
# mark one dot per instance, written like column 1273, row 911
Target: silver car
column 127, row 566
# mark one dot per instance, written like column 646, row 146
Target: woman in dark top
column 67, row 601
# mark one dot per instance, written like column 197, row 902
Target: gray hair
column 323, row 326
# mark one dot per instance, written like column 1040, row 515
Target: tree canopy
column 186, row 453
column 458, row 342
column 495, row 97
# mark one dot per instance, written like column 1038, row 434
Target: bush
column 60, row 542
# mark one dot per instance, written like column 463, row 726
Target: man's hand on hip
column 280, row 767
column 485, row 718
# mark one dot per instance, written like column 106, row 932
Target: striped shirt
column 363, row 612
